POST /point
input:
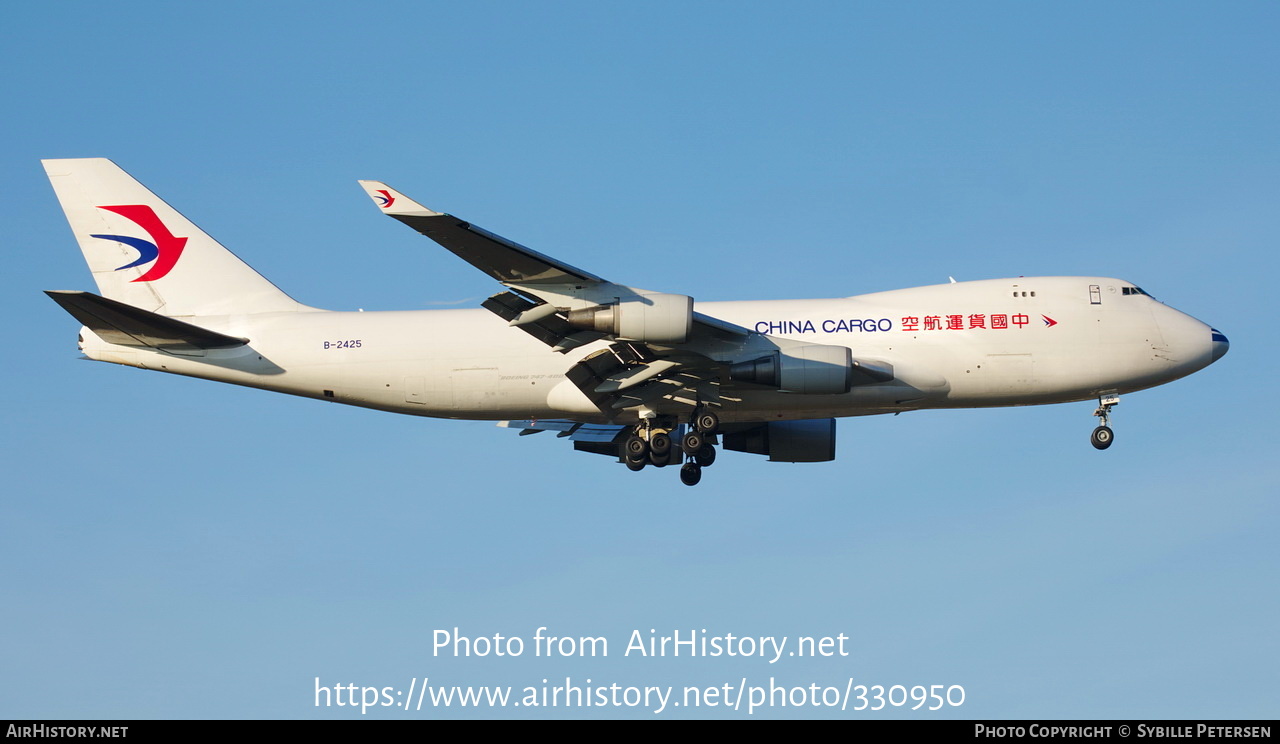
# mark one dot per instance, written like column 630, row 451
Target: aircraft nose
column 1220, row 344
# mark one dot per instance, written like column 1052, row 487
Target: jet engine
column 660, row 318
column 807, row 440
column 813, row 369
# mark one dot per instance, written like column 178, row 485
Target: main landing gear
column 1102, row 436
column 650, row 444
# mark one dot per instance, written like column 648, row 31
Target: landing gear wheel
column 692, row 442
column 636, row 464
column 707, row 422
column 705, row 456
column 659, row 449
column 1102, row 436
column 690, row 474
column 635, row 447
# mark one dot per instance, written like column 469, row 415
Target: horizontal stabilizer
column 126, row 325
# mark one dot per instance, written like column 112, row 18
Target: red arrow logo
column 168, row 247
column 1049, row 322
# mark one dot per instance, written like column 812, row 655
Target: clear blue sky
column 176, row 548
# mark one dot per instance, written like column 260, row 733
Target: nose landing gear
column 1102, row 436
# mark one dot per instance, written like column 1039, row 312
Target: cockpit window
column 1135, row 291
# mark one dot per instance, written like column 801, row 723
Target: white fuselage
column 997, row 342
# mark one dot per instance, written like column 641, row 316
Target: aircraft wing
column 600, row 439
column 573, row 430
column 539, row 280
column 659, row 349
column 504, row 260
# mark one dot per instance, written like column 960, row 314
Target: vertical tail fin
column 144, row 253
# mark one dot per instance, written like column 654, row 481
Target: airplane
column 649, row 378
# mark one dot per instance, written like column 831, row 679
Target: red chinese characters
column 961, row 322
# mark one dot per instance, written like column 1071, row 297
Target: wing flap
column 629, row 378
column 626, row 375
column 551, row 329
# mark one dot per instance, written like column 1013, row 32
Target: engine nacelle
column 661, row 318
column 807, row 440
column 814, row 369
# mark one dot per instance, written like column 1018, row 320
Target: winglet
column 393, row 202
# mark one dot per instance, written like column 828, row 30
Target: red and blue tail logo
column 163, row 248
